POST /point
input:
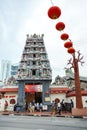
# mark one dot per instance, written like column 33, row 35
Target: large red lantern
column 64, row 36
column 68, row 44
column 60, row 26
column 71, row 50
column 54, row 12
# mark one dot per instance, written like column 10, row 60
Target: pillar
column 46, row 94
column 21, row 95
column 77, row 84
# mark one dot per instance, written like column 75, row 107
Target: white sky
column 21, row 17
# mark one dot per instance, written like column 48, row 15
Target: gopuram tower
column 34, row 73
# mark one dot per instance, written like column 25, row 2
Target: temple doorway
column 33, row 93
column 33, row 96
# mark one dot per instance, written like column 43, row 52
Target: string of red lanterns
column 54, row 12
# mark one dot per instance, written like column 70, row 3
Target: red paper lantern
column 68, row 44
column 57, row 100
column 60, row 26
column 54, row 12
column 71, row 50
column 64, row 36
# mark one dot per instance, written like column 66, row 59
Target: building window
column 34, row 48
column 34, row 62
column 33, row 72
column 34, row 55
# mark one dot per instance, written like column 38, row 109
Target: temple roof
column 72, row 93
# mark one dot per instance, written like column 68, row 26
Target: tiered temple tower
column 34, row 68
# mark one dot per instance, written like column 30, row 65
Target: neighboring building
column 59, row 81
column 14, row 70
column 5, row 70
column 58, row 91
column 1, row 84
column 69, row 82
column 8, row 93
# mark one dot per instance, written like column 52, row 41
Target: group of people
column 58, row 107
column 33, row 106
column 67, row 106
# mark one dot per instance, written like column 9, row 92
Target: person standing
column 62, row 105
column 41, row 106
column 26, row 106
column 5, row 105
column 72, row 103
column 53, row 108
column 59, row 108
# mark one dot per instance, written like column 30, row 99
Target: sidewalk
column 44, row 113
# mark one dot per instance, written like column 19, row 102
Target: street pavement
column 11, row 122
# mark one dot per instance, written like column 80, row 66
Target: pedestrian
column 30, row 107
column 72, row 103
column 26, row 106
column 62, row 105
column 33, row 106
column 41, row 106
column 38, row 106
column 5, row 105
column 53, row 108
column 59, row 108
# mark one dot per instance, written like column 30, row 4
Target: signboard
column 33, row 88
column 47, row 99
column 45, row 107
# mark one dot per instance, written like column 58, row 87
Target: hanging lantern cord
column 52, row 2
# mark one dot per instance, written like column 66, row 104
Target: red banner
column 33, row 88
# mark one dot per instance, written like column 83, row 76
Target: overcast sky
column 21, row 17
